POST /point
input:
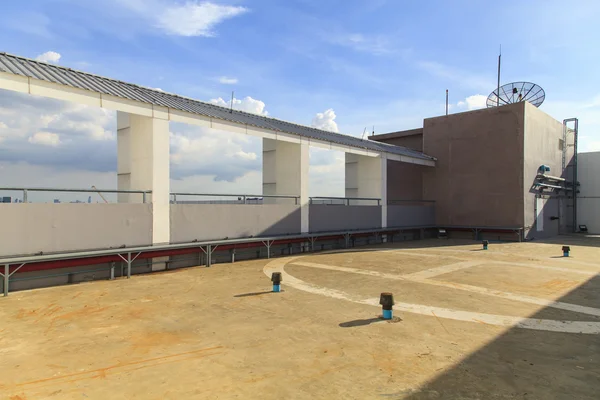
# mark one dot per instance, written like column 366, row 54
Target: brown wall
column 478, row 178
column 405, row 181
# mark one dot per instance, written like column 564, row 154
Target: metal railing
column 25, row 191
column 238, row 198
column 342, row 201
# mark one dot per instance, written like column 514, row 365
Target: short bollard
column 485, row 244
column 566, row 250
column 276, row 279
column 387, row 302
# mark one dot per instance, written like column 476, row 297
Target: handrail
column 6, row 260
column 241, row 197
column 95, row 190
column 346, row 200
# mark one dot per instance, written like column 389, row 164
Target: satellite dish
column 516, row 92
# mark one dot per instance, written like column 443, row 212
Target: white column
column 143, row 164
column 285, row 172
column 367, row 177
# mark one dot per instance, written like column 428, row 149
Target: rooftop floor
column 219, row 333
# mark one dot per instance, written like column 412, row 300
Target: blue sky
column 374, row 63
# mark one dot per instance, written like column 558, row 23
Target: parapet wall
column 30, row 228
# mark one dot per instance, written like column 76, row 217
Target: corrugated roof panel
column 83, row 80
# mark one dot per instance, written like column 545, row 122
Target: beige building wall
column 588, row 201
column 543, row 146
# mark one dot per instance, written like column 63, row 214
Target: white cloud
column 587, row 110
column 592, row 146
column 247, row 104
column 45, row 139
column 326, row 172
column 325, row 121
column 225, row 156
column 463, row 78
column 196, row 19
column 28, row 22
column 228, row 81
column 474, row 102
column 377, row 45
column 63, row 139
column 49, row 57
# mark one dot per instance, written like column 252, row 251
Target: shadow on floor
column 528, row 364
column 254, row 294
column 361, row 322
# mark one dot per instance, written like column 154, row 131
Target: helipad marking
column 467, row 316
column 569, row 260
column 416, row 252
column 468, row 288
column 444, row 269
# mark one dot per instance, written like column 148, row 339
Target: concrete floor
column 498, row 324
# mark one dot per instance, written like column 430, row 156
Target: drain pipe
column 575, row 134
column 566, row 250
column 276, row 279
column 387, row 302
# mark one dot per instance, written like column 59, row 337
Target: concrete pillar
column 285, row 172
column 143, row 164
column 367, row 177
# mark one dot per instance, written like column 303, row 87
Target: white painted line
column 574, row 271
column 491, row 261
column 566, row 260
column 350, row 270
column 467, row 316
column 468, row 288
column 517, row 297
column 444, row 269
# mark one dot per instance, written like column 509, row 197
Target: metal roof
column 82, row 80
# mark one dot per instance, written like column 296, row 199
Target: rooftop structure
column 177, row 107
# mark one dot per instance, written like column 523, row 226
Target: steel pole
column 498, row 93
column 208, row 255
column 6, row 278
column 128, row 265
column 575, row 175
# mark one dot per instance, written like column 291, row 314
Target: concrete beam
column 285, row 173
column 143, row 164
column 63, row 92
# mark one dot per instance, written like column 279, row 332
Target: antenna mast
column 446, row 101
column 499, row 58
column 231, row 106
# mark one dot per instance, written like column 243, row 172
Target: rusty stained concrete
column 218, row 333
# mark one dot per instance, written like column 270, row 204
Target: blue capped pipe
column 566, row 250
column 276, row 279
column 485, row 244
column 387, row 303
